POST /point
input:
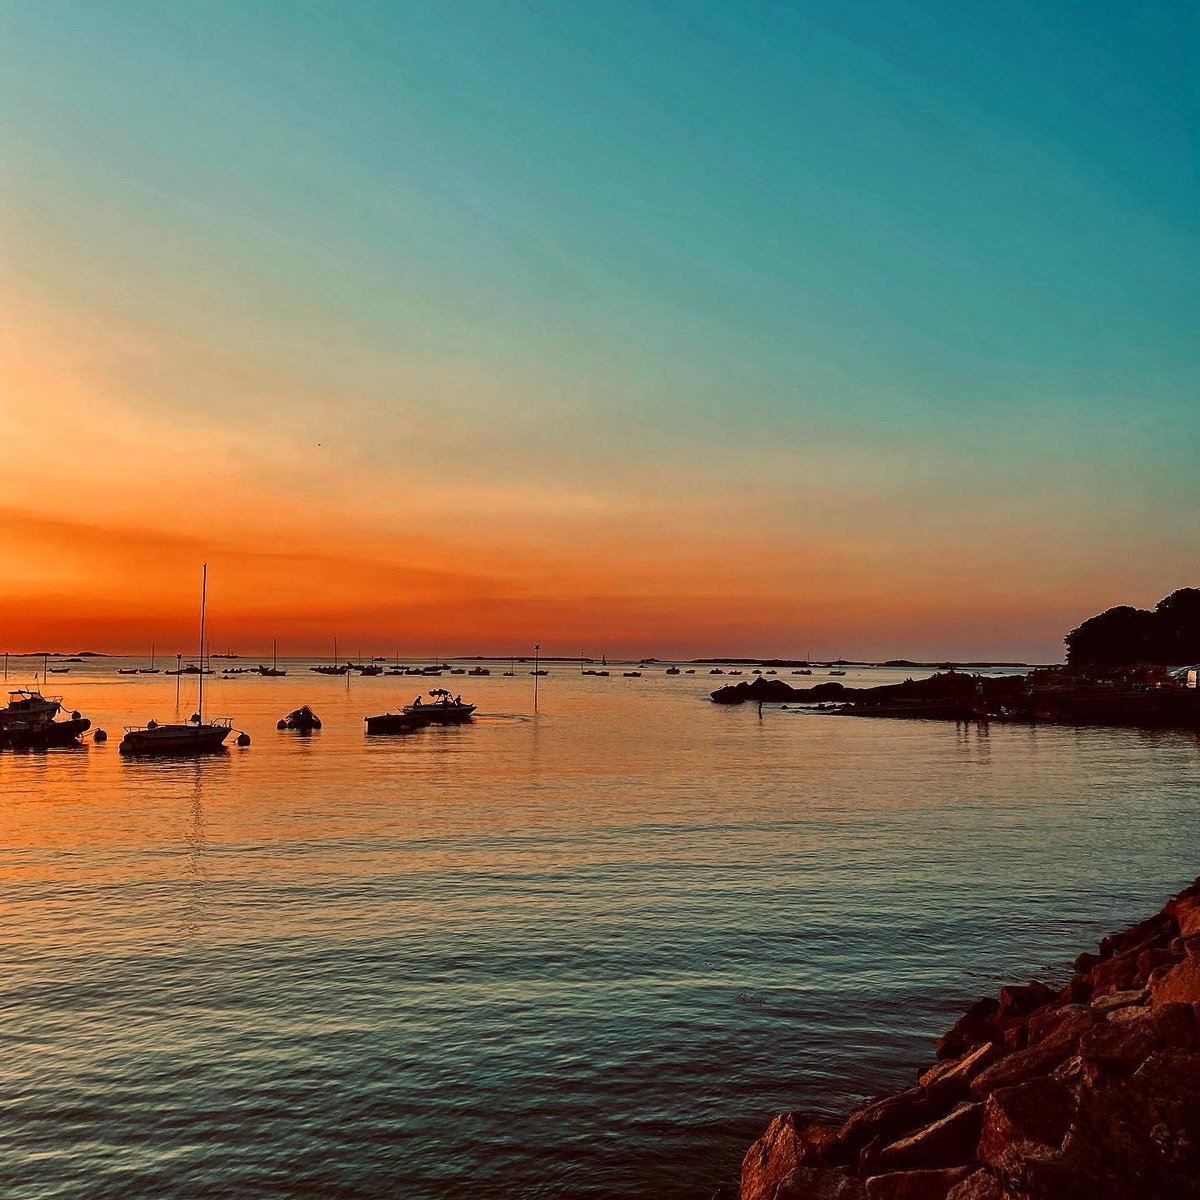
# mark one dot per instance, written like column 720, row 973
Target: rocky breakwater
column 1086, row 1092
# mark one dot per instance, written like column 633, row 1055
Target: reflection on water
column 587, row 953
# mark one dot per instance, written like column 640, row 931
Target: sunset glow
column 619, row 329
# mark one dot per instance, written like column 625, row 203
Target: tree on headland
column 1123, row 636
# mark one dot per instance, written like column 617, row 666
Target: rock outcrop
column 1090, row 1091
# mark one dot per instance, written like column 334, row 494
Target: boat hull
column 441, row 714
column 44, row 735
column 394, row 723
column 177, row 740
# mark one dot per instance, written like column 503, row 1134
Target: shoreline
column 1086, row 1092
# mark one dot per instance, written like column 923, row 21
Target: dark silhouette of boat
column 197, row 736
column 394, row 723
column 28, row 722
column 151, row 669
column 302, row 719
column 273, row 670
column 445, row 709
column 479, row 671
column 127, row 670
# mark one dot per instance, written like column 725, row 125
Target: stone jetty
column 1090, row 1091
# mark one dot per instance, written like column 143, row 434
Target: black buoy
column 243, row 739
column 99, row 736
column 280, row 724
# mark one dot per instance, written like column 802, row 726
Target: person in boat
column 457, row 700
column 417, row 702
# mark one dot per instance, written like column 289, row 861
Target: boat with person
column 444, row 709
column 28, row 722
column 197, row 736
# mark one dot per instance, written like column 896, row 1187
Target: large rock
column 1039, row 1110
column 786, row 1144
column 949, row 1142
column 1022, row 1065
column 949, row 1080
column 1179, row 984
column 979, row 1185
column 886, row 1120
column 1140, row 1137
column 819, row 1183
column 916, row 1185
column 1068, row 1021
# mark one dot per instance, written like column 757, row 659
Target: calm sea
column 586, row 954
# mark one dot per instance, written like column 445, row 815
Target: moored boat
column 302, row 719
column 197, row 736
column 28, row 722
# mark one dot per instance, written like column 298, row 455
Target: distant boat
column 370, row 669
column 60, row 670
column 127, row 670
column 716, row 671
column 197, row 736
column 837, row 672
column 540, row 671
column 335, row 668
column 671, row 671
column 479, row 671
column 273, row 670
column 151, row 669
column 632, row 674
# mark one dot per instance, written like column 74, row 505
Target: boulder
column 1114, row 975
column 949, row 1142
column 819, row 1183
column 1173, row 1025
column 980, row 1185
column 916, row 1185
column 949, row 1079
column 1022, row 1065
column 1066, row 1021
column 1140, row 1136
column 1118, row 1047
column 886, row 1120
column 1104, row 1005
column 1033, row 1171
column 786, row 1144
column 1177, row 984
column 1039, row 1110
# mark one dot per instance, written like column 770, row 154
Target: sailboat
column 197, row 736
column 335, row 668
column 273, row 670
column 151, row 669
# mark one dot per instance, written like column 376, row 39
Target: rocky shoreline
column 1086, row 1092
column 1049, row 696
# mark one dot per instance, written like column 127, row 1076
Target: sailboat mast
column 203, row 599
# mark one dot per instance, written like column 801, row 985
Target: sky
column 652, row 328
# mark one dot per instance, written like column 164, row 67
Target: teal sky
column 916, row 282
